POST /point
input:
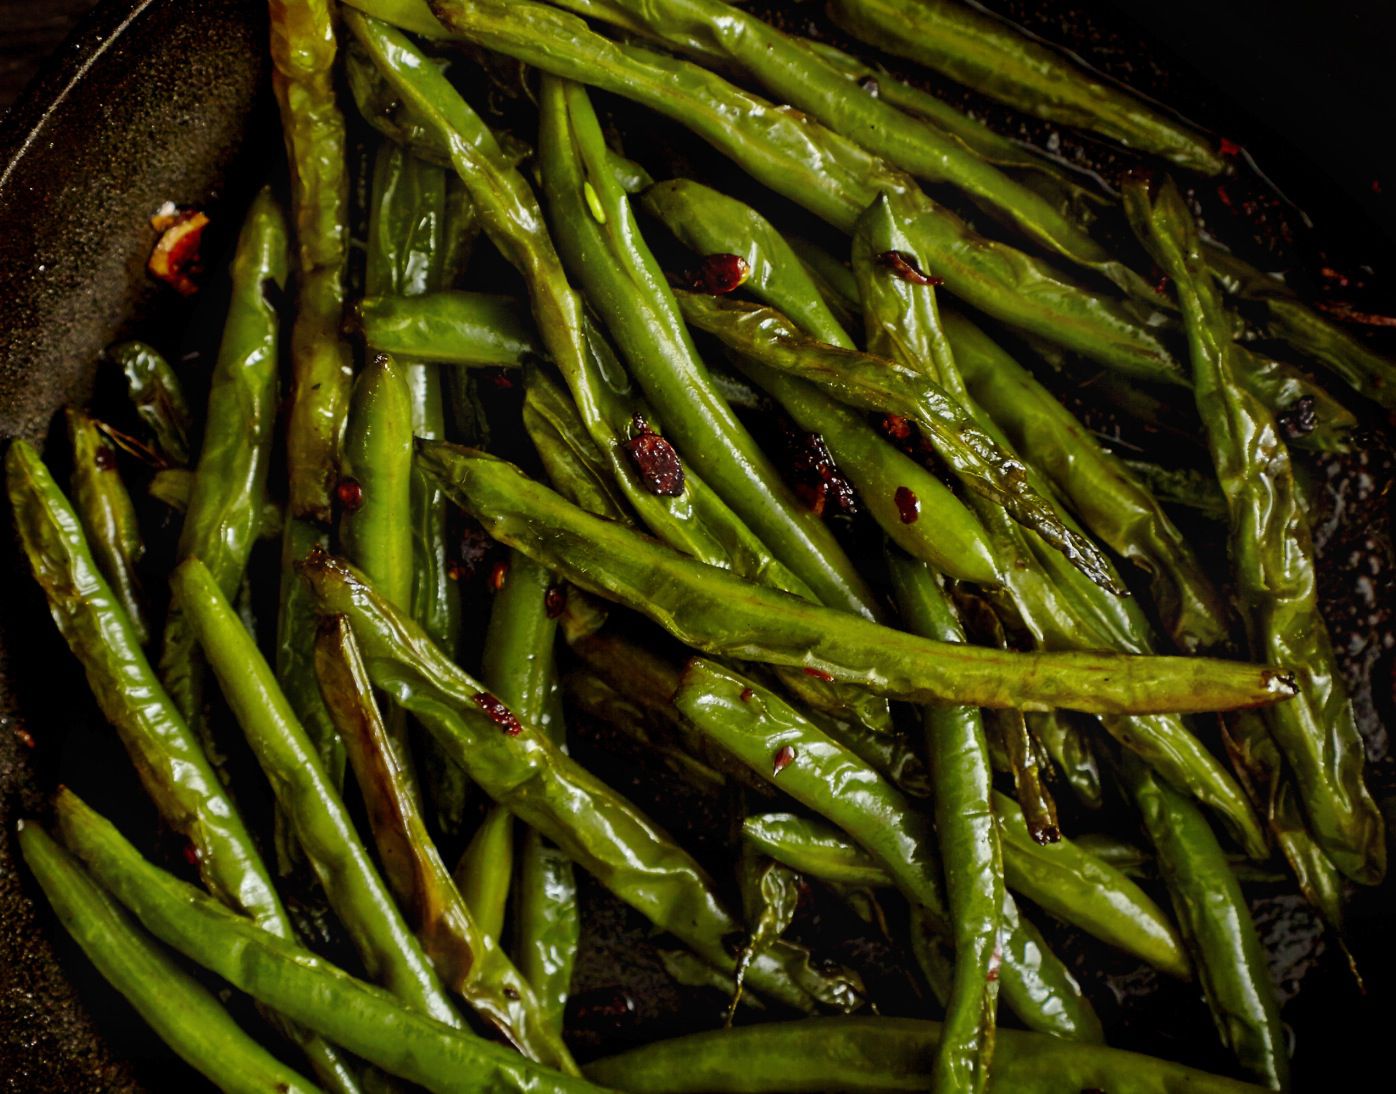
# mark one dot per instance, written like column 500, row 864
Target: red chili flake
column 813, row 495
column 817, row 480
column 908, row 505
column 498, row 712
column 191, row 853
column 104, row 458
column 554, row 601
column 904, row 266
column 747, row 695
column 784, row 757
column 500, row 378
column 818, row 674
column 25, row 737
column 655, row 459
column 1228, row 148
column 454, row 571
column 1376, row 186
column 1353, row 315
column 175, row 259
column 896, row 427
column 350, row 494
column 499, row 575
column 715, row 275
column 1161, row 283
column 1225, row 197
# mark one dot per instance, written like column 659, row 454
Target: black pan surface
column 156, row 100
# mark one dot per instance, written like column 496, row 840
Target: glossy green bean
column 814, row 847
column 832, row 177
column 1114, row 505
column 778, row 744
column 172, row 485
column 913, row 507
column 167, row 756
column 485, row 871
column 596, row 827
column 1216, row 923
column 295, row 639
column 968, row 840
column 228, row 493
column 181, row 1011
column 791, row 72
column 716, row 612
column 450, row 327
column 367, row 1020
column 303, row 52
column 570, row 457
column 1050, row 599
column 997, row 59
column 518, row 665
column 624, row 284
column 709, row 222
column 309, row 802
column 1182, row 486
column 885, row 1054
column 464, row 956
column 1272, row 552
column 696, row 520
column 158, row 397
column 108, row 517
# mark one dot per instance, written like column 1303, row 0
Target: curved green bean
column 997, row 59
column 182, row 1012
column 108, row 517
column 1216, row 923
column 596, row 827
column 1111, row 502
column 486, row 870
column 464, row 955
column 307, row 799
column 1272, row 552
column 449, row 327
column 367, row 1020
column 714, row 611
column 158, row 397
column 884, row 1054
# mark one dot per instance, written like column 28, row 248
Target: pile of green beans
column 829, row 553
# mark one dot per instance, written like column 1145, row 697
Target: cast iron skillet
column 156, row 100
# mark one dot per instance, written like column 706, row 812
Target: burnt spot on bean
column 1300, row 419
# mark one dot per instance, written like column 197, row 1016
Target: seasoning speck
column 904, row 266
column 784, row 757
column 655, row 459
column 908, row 505
column 350, row 494
column 501, row 715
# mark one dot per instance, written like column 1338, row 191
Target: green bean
column 303, row 53
column 1056, row 604
column 172, row 486
column 295, row 638
column 485, row 870
column 968, row 840
column 575, row 465
column 624, row 283
column 716, row 612
column 834, row 280
column 696, row 519
column 309, row 802
column 169, row 761
column 1272, row 553
column 228, row 492
column 108, row 517
column 884, row 1054
column 1368, row 372
column 770, row 895
column 781, row 746
column 1182, row 486
column 795, row 156
column 1070, row 750
column 465, row 956
column 1216, row 924
column 367, row 1020
column 897, row 491
column 1311, row 417
column 177, row 1007
column 709, row 222
column 158, row 397
column 450, row 327
column 1113, row 504
column 790, row 72
column 594, row 826
column 518, row 665
column 1075, row 886
column 815, row 848
column 996, row 59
